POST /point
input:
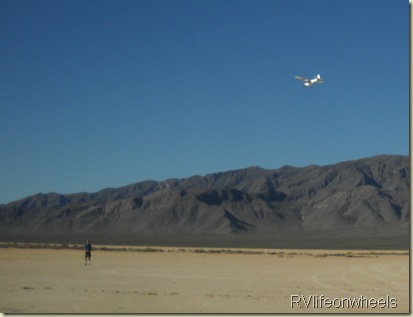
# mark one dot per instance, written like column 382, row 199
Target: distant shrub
column 151, row 250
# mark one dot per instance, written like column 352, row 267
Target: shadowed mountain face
column 369, row 195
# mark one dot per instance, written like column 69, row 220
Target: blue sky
column 97, row 94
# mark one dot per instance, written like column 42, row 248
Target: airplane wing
column 301, row 78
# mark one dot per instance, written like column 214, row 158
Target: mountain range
column 362, row 203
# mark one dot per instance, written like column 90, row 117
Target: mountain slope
column 286, row 202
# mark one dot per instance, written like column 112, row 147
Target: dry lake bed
column 172, row 280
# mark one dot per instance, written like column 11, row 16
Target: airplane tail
column 318, row 76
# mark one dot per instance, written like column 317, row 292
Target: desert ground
column 185, row 280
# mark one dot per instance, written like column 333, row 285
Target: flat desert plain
column 190, row 281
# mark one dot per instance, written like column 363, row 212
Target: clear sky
column 97, row 94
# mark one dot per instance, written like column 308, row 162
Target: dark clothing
column 88, row 251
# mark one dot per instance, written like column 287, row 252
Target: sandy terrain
column 50, row 281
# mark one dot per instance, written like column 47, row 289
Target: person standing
column 88, row 251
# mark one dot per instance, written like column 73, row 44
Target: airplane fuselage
column 310, row 82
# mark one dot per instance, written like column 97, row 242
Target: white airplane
column 310, row 82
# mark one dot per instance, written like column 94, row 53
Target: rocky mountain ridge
column 366, row 193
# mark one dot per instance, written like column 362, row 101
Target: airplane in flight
column 310, row 82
